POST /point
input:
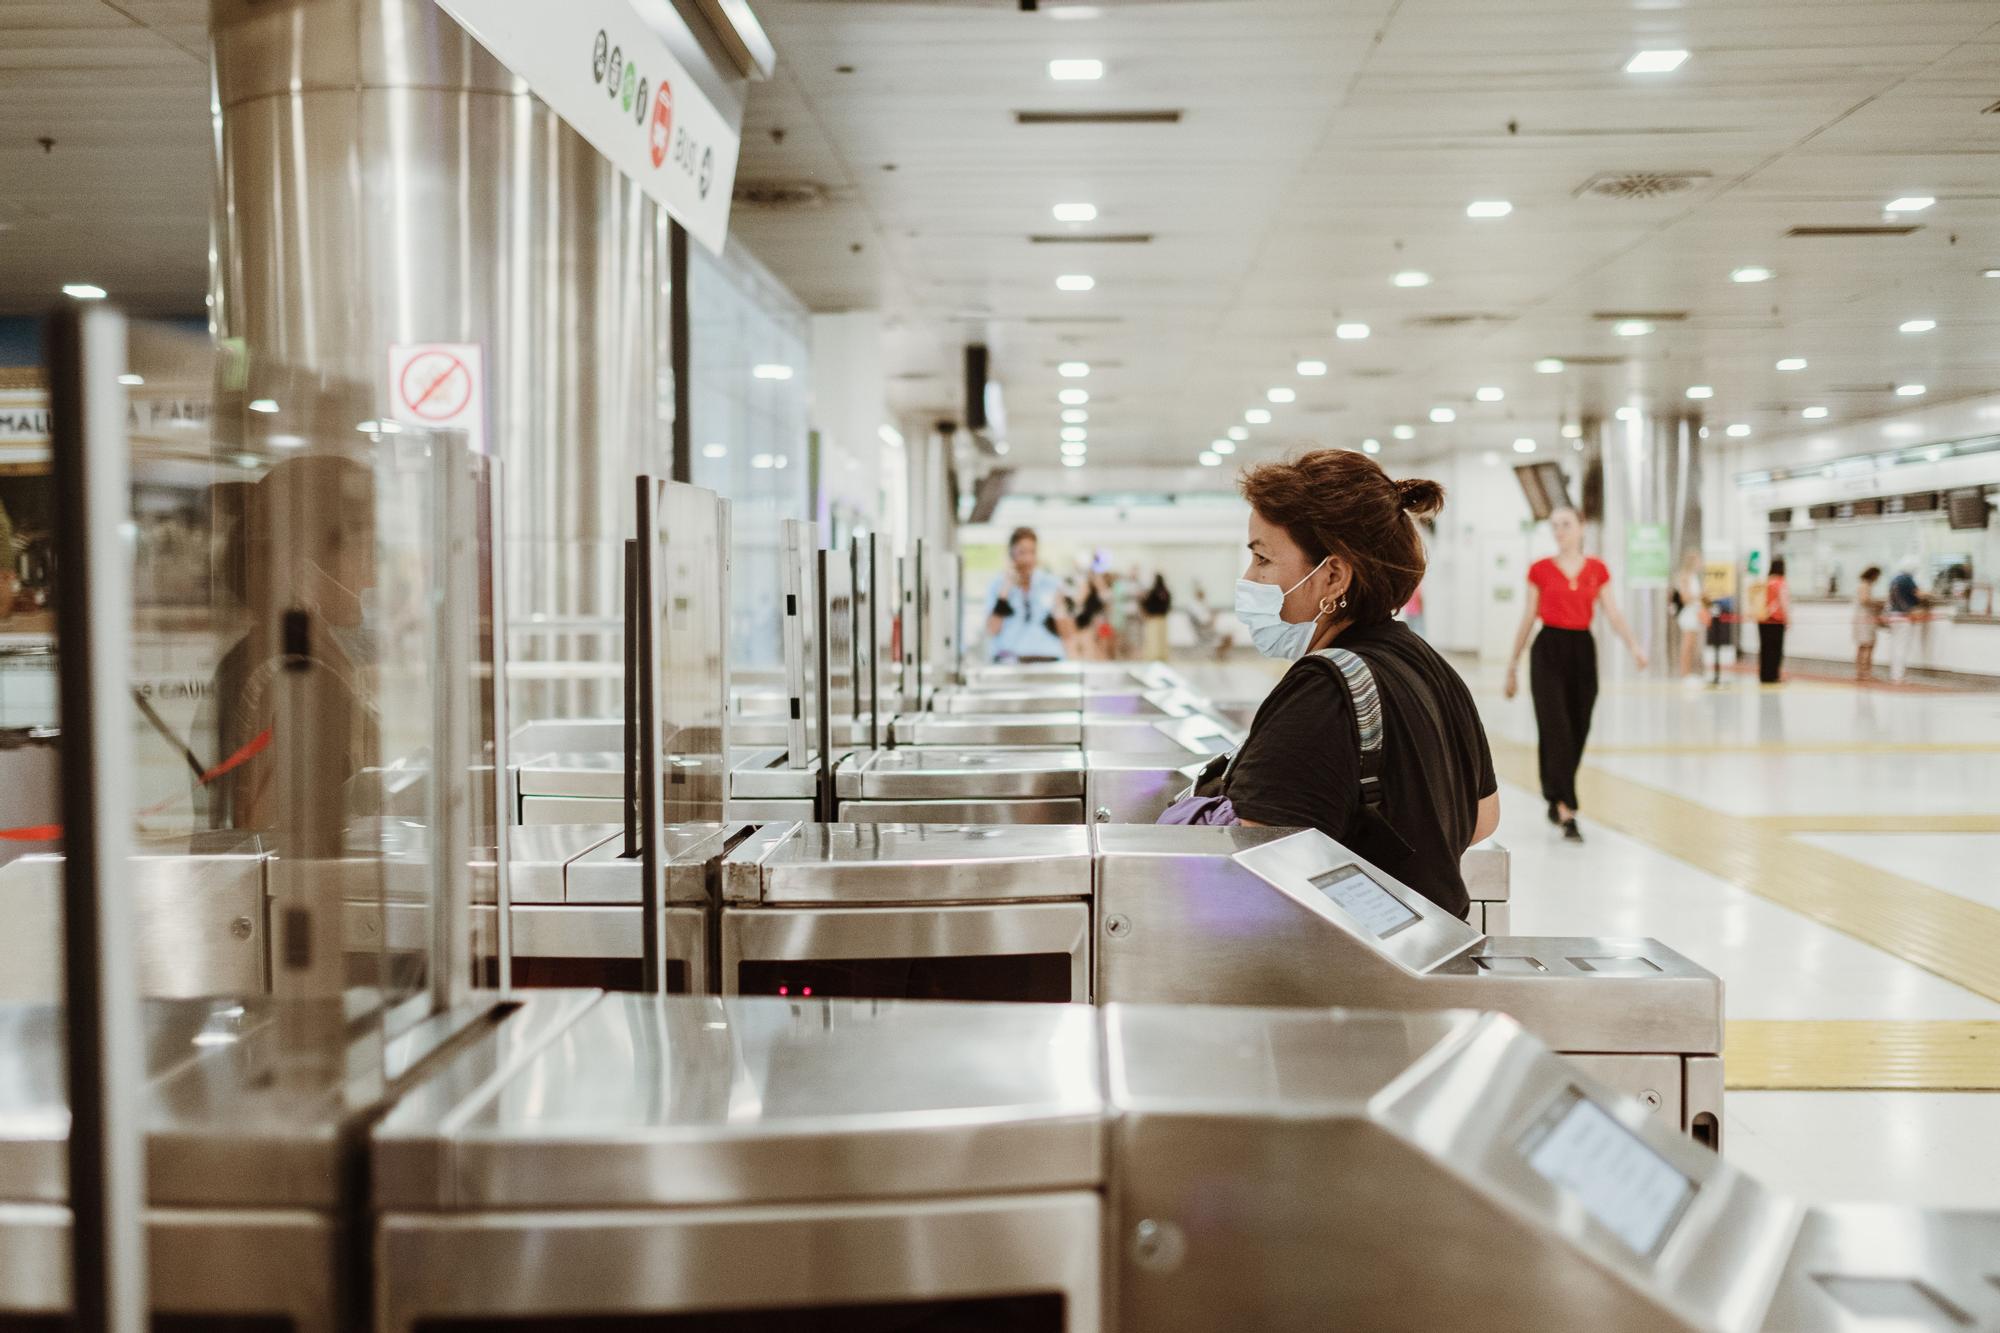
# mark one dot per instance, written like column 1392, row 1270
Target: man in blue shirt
column 1905, row 607
column 1026, row 619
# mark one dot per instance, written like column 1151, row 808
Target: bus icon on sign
column 663, row 122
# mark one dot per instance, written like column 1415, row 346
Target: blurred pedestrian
column 1771, row 628
column 1690, row 612
column 1026, row 620
column 1155, row 607
column 1867, row 623
column 1907, row 602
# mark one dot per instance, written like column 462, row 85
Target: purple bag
column 1199, row 810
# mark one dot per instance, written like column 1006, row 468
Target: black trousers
column 1770, row 651
column 1562, row 678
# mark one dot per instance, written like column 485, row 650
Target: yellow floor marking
column 1952, row 937
column 1961, row 823
column 1902, row 1056
column 1807, row 747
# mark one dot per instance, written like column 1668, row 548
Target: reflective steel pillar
column 1649, row 469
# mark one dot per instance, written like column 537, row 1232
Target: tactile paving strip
column 1845, row 1055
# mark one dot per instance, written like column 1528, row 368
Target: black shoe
column 1554, row 818
column 1571, row 832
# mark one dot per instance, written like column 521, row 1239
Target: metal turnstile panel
column 960, row 700
column 1186, row 739
column 1049, row 810
column 941, row 774
column 851, row 864
column 979, row 729
column 605, row 874
column 1869, row 1268
column 1125, row 788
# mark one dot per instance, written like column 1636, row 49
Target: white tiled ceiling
column 1326, row 144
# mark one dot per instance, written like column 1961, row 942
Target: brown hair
column 1340, row 503
column 1018, row 534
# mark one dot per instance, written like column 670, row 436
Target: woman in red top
column 1771, row 629
column 1562, row 593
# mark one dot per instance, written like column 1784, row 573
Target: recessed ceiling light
column 131, row 381
column 1371, row 446
column 1991, row 272
column 1549, row 365
column 1490, row 458
column 1074, row 460
column 286, row 441
column 1737, row 431
column 1910, row 390
column 1627, row 414
column 1700, row 391
column 1238, row 433
column 1074, row 416
column 1488, row 208
column 1524, row 446
column 1632, row 328
column 84, row 291
column 771, row 372
column 1443, row 415
column 1075, row 212
column 1572, row 431
column 1074, row 449
column 1072, row 70
column 1792, row 363
column 1917, row 325
column 1073, row 370
column 1223, row 446
column 1412, row 278
column 1209, row 458
column 1311, row 368
column 1258, row 416
column 1351, row 332
column 1656, row 62
column 1813, row 413
column 264, row 405
column 1750, row 273
column 1909, row 203
column 715, row 451
column 762, row 462
column 1282, row 395
column 1075, row 282
column 1404, row 432
column 1490, row 394
column 378, row 428
column 1077, row 433
column 1703, row 432
column 1074, row 397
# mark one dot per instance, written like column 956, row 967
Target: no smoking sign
column 439, row 386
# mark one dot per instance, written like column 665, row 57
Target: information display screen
column 1378, row 910
column 1629, row 1189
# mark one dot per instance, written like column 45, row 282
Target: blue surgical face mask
column 1261, row 607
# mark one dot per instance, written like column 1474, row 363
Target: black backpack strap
column 1392, row 848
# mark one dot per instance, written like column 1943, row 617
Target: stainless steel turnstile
column 1270, row 917
column 939, row 785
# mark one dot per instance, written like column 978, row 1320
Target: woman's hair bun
column 1419, row 496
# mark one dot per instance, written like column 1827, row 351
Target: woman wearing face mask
column 1563, row 593
column 1334, row 551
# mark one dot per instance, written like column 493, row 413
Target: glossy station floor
column 1833, row 852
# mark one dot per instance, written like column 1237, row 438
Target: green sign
column 1648, row 561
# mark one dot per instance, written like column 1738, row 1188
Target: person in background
column 1771, row 629
column 1156, row 606
column 1906, row 603
column 1027, row 619
column 1564, row 591
column 1690, row 613
column 1413, row 612
column 1867, row 622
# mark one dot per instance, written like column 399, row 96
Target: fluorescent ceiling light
column 762, row 462
column 1075, row 282
column 1075, row 433
column 84, row 291
column 1238, row 433
column 1750, row 273
column 1490, row 394
column 1991, row 272
column 1412, row 278
column 1627, row 414
column 1813, row 413
column 1353, row 332
column 1073, row 370
column 772, row 371
column 1656, row 62
column 715, row 451
column 1917, row 325
column 264, row 405
column 1371, row 446
column 1524, row 446
column 1572, row 431
column 1549, row 365
column 1700, row 391
column 1405, row 432
column 286, row 441
column 1074, row 460
column 1792, row 363
column 1443, row 415
column 1282, row 395
column 131, row 381
column 1074, row 416
column 1910, row 390
column 1258, row 416
column 1072, row 70
column 1632, row 328
column 378, row 428
column 1073, row 397
column 1073, row 12
column 1075, row 212
column 1312, row 368
column 1223, row 446
column 1490, row 458
column 1737, row 431
column 1209, row 458
column 1488, row 208
column 1074, row 449
column 1909, row 203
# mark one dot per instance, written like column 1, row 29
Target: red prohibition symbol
column 663, row 123
column 435, row 386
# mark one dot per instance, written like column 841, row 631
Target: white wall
column 1480, row 553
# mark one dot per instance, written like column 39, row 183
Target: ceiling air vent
column 1106, row 238
column 1097, row 117
column 1639, row 184
column 1459, row 320
column 780, row 194
column 1876, row 229
column 1592, row 360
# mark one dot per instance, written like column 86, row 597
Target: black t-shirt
column 1300, row 767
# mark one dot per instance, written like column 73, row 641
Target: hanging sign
column 615, row 83
column 439, row 386
column 1647, row 559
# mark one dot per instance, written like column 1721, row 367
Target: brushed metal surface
column 1133, row 787
column 604, row 874
column 659, row 1101
column 979, row 729
column 1487, row 869
column 637, row 1262
column 958, row 700
column 963, row 930
column 1001, row 810
column 890, row 863
column 1702, row 1099
column 943, row 774
column 1882, row 1252
column 537, row 856
column 1195, row 737
column 1654, row 1081
column 765, row 773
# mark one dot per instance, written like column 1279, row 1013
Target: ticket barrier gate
column 939, row 785
column 1275, row 917
column 755, row 1162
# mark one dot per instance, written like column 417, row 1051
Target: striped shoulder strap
column 1361, row 685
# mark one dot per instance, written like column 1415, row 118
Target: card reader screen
column 1630, row 1190
column 1378, row 910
